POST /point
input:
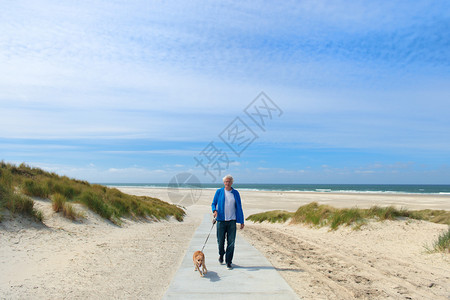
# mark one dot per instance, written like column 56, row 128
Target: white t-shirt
column 230, row 206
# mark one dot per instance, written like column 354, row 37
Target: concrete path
column 252, row 277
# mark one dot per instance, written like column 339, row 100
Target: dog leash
column 214, row 222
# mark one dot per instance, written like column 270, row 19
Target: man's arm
column 214, row 204
column 239, row 212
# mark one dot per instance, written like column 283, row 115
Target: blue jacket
column 219, row 205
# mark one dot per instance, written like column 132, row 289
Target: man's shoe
column 229, row 267
column 221, row 259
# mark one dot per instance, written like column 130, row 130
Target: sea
column 322, row 188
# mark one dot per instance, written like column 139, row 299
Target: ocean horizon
column 437, row 189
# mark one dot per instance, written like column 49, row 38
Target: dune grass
column 109, row 203
column 23, row 205
column 58, row 202
column 16, row 203
column 442, row 244
column 36, row 189
column 435, row 216
column 69, row 212
column 273, row 216
column 324, row 215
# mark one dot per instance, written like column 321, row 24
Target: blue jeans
column 228, row 229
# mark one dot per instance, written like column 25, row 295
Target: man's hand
column 242, row 226
column 215, row 214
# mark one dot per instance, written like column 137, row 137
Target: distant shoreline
column 365, row 189
column 259, row 201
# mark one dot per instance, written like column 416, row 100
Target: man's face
column 227, row 182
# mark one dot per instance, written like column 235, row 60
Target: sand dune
column 384, row 260
column 93, row 259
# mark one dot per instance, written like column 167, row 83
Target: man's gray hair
column 228, row 177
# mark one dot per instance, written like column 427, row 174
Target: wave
column 311, row 188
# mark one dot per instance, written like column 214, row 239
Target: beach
column 385, row 260
column 259, row 201
column 96, row 259
column 91, row 259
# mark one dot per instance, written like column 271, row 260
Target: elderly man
column 227, row 209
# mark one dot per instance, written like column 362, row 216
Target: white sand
column 95, row 259
column 90, row 260
column 383, row 260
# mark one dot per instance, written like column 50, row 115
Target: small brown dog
column 199, row 263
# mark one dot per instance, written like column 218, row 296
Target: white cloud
column 347, row 75
column 364, row 171
column 174, row 152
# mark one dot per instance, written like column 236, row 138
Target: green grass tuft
column 443, row 242
column 273, row 216
column 58, row 202
column 70, row 213
column 15, row 203
column 21, row 204
column 387, row 213
column 35, row 188
column 95, row 202
column 313, row 214
column 347, row 216
column 435, row 216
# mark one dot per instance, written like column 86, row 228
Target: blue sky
column 134, row 91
